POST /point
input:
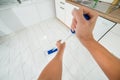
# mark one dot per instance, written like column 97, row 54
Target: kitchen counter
column 104, row 10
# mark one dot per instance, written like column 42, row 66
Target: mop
column 53, row 50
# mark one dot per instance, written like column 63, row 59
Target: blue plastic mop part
column 72, row 32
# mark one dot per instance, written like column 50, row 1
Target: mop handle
column 69, row 35
column 55, row 49
column 86, row 16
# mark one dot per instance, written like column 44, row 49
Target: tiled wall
column 26, row 14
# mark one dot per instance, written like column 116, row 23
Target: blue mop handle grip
column 86, row 16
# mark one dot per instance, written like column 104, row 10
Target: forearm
column 53, row 71
column 108, row 62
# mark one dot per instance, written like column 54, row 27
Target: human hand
column 60, row 46
column 83, row 27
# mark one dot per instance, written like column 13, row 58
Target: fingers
column 74, row 23
column 93, row 14
column 59, row 43
column 78, row 15
column 79, row 18
column 88, row 11
column 60, row 46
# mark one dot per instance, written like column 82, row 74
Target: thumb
column 78, row 15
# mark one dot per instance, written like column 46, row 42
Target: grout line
column 106, row 32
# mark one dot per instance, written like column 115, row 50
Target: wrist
column 60, row 51
column 59, row 55
column 88, row 41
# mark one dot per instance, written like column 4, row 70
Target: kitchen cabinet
column 27, row 15
column 102, row 25
column 9, row 21
column 60, row 10
column 45, row 9
column 111, row 41
column 14, row 17
column 63, row 11
column 19, row 17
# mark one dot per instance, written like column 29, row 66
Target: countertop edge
column 107, row 16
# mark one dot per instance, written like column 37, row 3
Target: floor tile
column 22, row 56
column 96, row 73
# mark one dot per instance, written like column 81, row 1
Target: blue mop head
column 52, row 50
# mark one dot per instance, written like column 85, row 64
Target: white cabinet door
column 20, row 16
column 60, row 2
column 102, row 26
column 112, row 41
column 27, row 15
column 68, row 18
column 60, row 10
column 10, row 19
column 60, row 13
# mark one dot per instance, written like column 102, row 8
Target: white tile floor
column 22, row 55
column 111, row 41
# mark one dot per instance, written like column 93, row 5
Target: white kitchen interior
column 30, row 27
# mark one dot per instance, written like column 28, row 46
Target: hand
column 83, row 27
column 60, row 46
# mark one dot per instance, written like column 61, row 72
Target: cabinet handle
column 62, row 8
column 62, row 3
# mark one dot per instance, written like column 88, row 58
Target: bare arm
column 53, row 71
column 108, row 62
